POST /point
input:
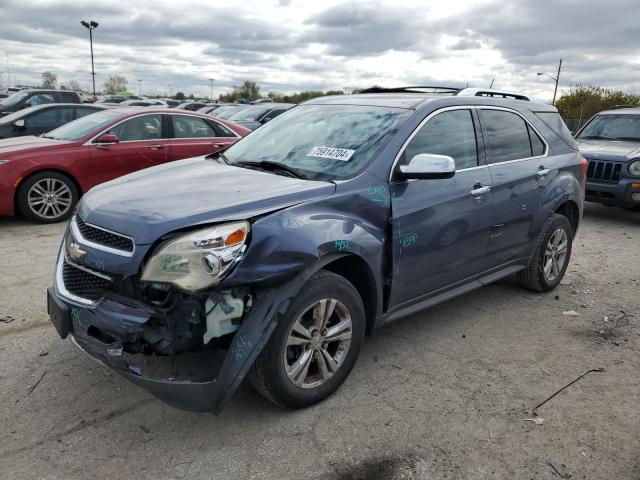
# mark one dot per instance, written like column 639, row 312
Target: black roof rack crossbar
column 414, row 89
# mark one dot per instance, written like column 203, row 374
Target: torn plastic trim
column 205, row 396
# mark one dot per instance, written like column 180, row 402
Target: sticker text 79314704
column 343, row 154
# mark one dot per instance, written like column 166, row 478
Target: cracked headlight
column 634, row 168
column 199, row 259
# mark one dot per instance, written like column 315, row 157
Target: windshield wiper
column 274, row 167
column 594, row 137
column 628, row 139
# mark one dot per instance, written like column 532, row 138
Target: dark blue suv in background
column 273, row 260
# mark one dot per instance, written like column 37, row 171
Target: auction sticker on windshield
column 343, row 154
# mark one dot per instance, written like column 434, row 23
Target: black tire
column 533, row 276
column 268, row 375
column 64, row 204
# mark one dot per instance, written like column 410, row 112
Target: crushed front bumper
column 101, row 330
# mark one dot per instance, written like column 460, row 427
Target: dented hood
column 150, row 203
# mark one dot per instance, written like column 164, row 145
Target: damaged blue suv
column 273, row 259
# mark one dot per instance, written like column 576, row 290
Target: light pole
column 211, row 89
column 170, row 90
column 90, row 26
column 555, row 79
column 140, row 88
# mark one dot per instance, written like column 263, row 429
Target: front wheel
column 551, row 256
column 47, row 197
column 315, row 345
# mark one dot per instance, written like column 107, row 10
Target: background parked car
column 171, row 103
column 210, row 108
column 44, row 176
column 610, row 141
column 33, row 97
column 143, row 103
column 112, row 99
column 43, row 118
column 192, row 106
column 226, row 111
column 256, row 115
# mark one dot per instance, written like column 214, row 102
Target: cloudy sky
column 297, row 45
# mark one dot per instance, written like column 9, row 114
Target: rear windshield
column 554, row 121
column 612, row 127
column 84, row 126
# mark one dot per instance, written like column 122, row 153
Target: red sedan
column 43, row 177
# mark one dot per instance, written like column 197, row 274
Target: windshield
column 322, row 141
column 249, row 114
column 12, row 117
column 14, row 99
column 84, row 126
column 613, row 127
column 226, row 112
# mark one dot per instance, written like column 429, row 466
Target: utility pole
column 91, row 26
column 211, row 89
column 140, row 88
column 170, row 91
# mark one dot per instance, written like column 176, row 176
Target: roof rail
column 414, row 89
column 618, row 107
column 489, row 92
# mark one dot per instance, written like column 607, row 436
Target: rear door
column 143, row 144
column 521, row 169
column 193, row 136
column 440, row 227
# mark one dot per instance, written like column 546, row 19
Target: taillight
column 583, row 166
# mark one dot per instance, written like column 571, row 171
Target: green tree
column 249, row 90
column 115, row 84
column 301, row 96
column 49, row 80
column 582, row 102
column 179, row 96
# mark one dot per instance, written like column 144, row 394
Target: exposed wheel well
column 570, row 210
column 356, row 270
column 22, row 182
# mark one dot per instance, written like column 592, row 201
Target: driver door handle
column 218, row 145
column 543, row 171
column 156, row 147
column 479, row 190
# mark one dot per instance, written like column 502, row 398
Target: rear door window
column 45, row 118
column 506, row 136
column 40, row 99
column 450, row 133
column 186, row 126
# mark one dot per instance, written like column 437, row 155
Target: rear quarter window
column 554, row 121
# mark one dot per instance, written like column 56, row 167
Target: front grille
column 102, row 237
column 604, row 171
column 83, row 283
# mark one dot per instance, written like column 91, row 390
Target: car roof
column 47, row 90
column 134, row 110
column 412, row 100
column 621, row 111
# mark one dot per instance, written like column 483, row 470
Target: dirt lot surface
column 443, row 394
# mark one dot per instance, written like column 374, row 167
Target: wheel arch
column 570, row 210
column 356, row 270
column 20, row 185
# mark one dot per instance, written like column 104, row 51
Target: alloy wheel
column 49, row 198
column 555, row 255
column 318, row 343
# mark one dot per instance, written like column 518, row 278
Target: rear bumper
column 619, row 194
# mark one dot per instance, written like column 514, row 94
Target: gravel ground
column 443, row 394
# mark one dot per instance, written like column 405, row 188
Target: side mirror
column 108, row 138
column 429, row 166
column 19, row 123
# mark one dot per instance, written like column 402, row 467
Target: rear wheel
column 315, row 346
column 47, row 197
column 551, row 256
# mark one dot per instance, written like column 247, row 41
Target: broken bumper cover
column 122, row 321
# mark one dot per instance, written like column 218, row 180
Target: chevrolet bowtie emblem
column 74, row 252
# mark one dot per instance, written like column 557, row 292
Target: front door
column 520, row 171
column 142, row 144
column 440, row 227
column 194, row 136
